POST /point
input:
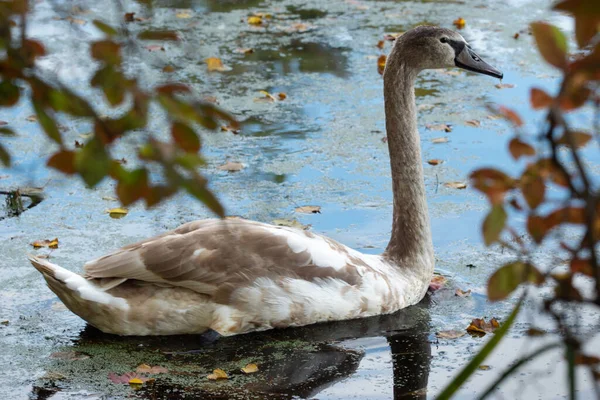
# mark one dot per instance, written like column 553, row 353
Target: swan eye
column 444, row 40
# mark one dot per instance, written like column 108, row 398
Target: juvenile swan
column 237, row 276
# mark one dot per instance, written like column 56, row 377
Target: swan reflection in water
column 293, row 362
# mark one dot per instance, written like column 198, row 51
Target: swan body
column 236, row 276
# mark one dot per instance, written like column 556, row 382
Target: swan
column 235, row 276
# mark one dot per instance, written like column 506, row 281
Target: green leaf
column 107, row 29
column 507, row 278
column 9, row 94
column 47, row 122
column 494, row 224
column 4, row 131
column 480, row 357
column 198, row 189
column 551, row 43
column 92, row 162
column 4, row 156
column 185, row 137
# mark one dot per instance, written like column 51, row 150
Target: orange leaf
column 215, row 64
column 381, row 64
column 519, row 149
column 63, row 161
column 540, row 99
column 459, row 23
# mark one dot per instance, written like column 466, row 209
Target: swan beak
column 469, row 60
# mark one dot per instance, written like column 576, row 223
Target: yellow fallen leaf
column 255, row 20
column 217, row 374
column 484, row 367
column 143, row 368
column 169, row 69
column 184, row 14
column 215, row 64
column 459, row 23
column 381, row 63
column 136, row 383
column 250, row 369
column 268, row 97
column 117, row 212
column 451, row 334
column 53, row 244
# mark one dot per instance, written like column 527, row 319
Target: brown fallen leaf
column 147, row 369
column 439, row 140
column 31, row 118
column 53, row 244
column 380, row 44
column 299, row 27
column 231, row 166
column 117, row 213
column 391, row 36
column 434, row 161
column 381, row 63
column 215, row 64
column 504, row 85
column 474, row 123
column 168, row 69
column 126, row 378
column 76, row 21
column 439, row 127
column 462, row 293
column 456, row 185
column 451, row 334
column 516, row 35
column 217, row 374
column 282, row 96
column 250, row 369
column 4, row 322
column 69, row 356
column 459, row 23
column 309, row 209
column 535, row 332
column 480, row 327
column 129, row 17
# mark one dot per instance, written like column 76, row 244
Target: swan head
column 431, row 47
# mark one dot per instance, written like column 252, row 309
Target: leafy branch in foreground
column 555, row 194
column 178, row 159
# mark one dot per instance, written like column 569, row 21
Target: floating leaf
column 439, row 127
column 551, row 43
column 462, row 293
column 244, row 50
column 459, row 23
column 494, row 224
column 31, row 118
column 255, row 20
column 480, row 327
column 168, row 69
column 126, row 378
column 291, row 223
column 434, row 161
column 154, row 47
column 217, row 374
column 282, row 96
column 231, row 166
column 456, row 185
column 229, row 128
column 136, row 383
column 380, row 44
column 474, row 123
column 52, row 244
column 147, row 369
column 309, row 209
column 439, row 140
column 117, row 213
column 437, row 282
column 215, row 64
column 504, row 85
column 540, row 99
column 250, row 369
column 484, row 367
column 268, row 97
column 184, row 14
column 519, row 149
column 507, row 278
column 451, row 334
column 381, row 61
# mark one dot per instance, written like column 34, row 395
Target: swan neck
column 410, row 245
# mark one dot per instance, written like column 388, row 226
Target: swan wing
column 215, row 257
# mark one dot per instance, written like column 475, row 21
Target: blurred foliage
column 555, row 191
column 179, row 158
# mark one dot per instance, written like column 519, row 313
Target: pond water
column 323, row 146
